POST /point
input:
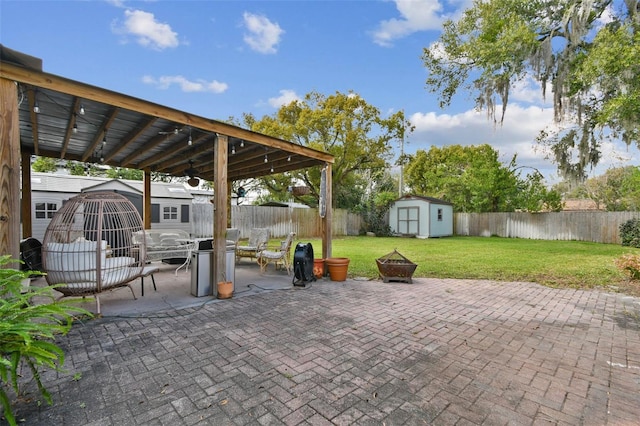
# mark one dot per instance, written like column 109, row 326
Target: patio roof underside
column 93, row 125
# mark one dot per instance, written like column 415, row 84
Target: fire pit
column 395, row 267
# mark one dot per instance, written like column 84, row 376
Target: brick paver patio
column 359, row 352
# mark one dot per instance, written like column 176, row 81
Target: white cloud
column 516, row 136
column 117, row 3
column 285, row 98
column 528, row 90
column 608, row 16
column 415, row 15
column 263, row 35
column 200, row 85
column 146, row 30
column 615, row 154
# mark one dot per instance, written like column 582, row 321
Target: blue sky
column 224, row 58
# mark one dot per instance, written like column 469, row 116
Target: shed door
column 408, row 220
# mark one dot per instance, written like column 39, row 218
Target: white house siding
column 50, row 188
column 39, row 224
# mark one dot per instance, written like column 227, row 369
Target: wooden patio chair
column 277, row 256
column 233, row 236
column 258, row 240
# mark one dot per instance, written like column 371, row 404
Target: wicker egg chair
column 87, row 248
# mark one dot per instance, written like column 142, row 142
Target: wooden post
column 9, row 171
column 229, row 197
column 146, row 199
column 327, row 228
column 27, row 216
column 220, row 149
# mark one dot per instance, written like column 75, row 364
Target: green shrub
column 630, row 233
column 28, row 331
column 375, row 220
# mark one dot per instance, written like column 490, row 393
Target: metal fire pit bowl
column 395, row 267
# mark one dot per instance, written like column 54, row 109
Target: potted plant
column 28, row 331
column 225, row 288
column 318, row 268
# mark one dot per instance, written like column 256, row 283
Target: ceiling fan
column 191, row 172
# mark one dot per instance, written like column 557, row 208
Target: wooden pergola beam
column 53, row 82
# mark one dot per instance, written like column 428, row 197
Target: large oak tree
column 342, row 124
column 474, row 180
column 586, row 51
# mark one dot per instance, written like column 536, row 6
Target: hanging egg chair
column 88, row 246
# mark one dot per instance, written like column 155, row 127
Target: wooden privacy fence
column 306, row 223
column 599, row 227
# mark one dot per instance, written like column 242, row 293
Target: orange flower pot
column 337, row 267
column 225, row 289
column 318, row 268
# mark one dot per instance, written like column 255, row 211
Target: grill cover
column 303, row 264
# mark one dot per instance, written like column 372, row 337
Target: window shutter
column 184, row 213
column 155, row 213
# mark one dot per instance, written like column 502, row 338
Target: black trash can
column 31, row 254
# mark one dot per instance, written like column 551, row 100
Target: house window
column 439, row 215
column 46, row 210
column 408, row 220
column 170, row 213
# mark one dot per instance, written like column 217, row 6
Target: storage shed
column 423, row 217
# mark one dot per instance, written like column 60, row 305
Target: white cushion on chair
column 270, row 254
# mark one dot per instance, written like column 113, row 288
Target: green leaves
column 28, row 330
column 44, row 165
column 618, row 189
column 344, row 125
column 593, row 67
column 474, row 180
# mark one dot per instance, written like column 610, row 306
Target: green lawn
column 572, row 264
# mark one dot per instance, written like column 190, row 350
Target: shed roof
column 424, row 198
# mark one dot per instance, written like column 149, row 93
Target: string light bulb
column 233, row 149
column 81, row 109
column 241, row 144
column 272, row 168
column 36, row 107
column 75, row 128
column 289, row 158
column 266, row 160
